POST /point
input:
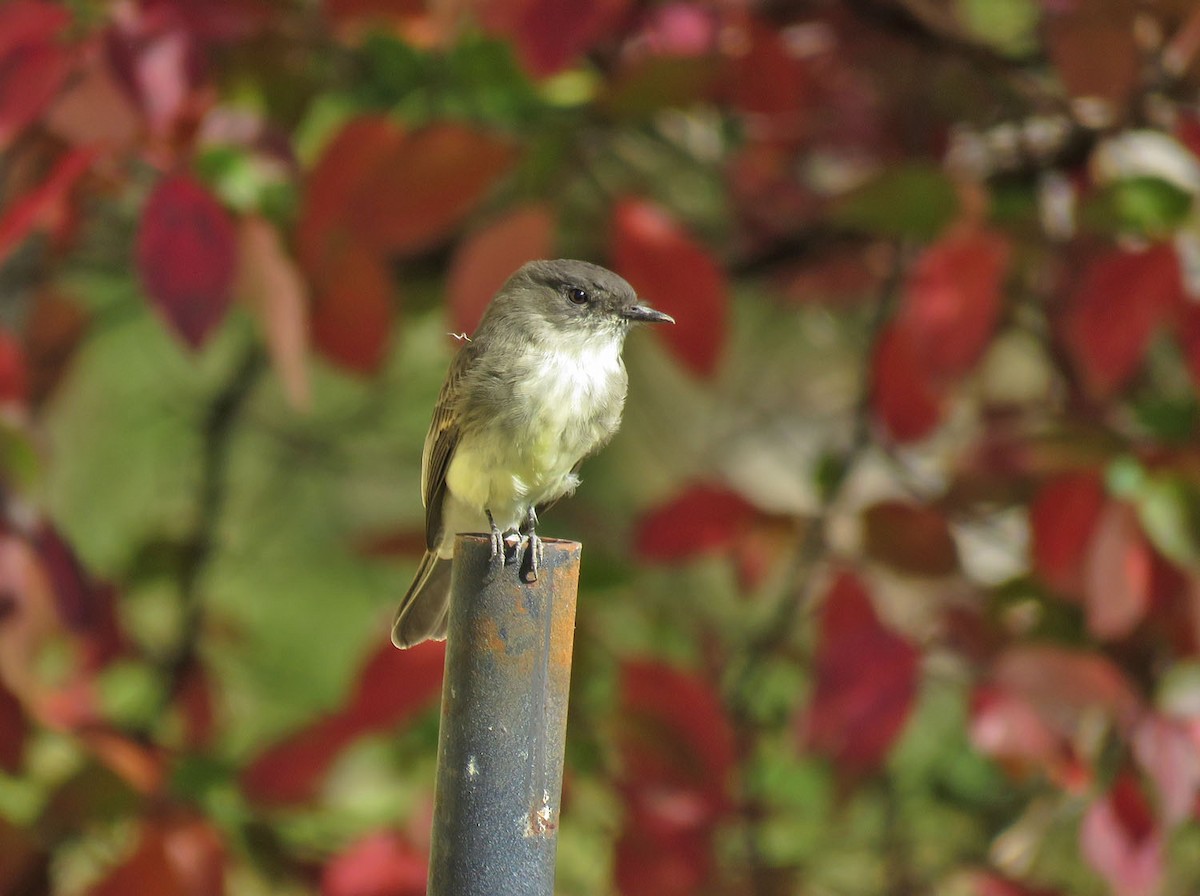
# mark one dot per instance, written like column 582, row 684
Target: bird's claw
column 531, row 545
column 498, row 548
column 530, row 548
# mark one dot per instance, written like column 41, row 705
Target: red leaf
column 674, row 730
column 24, row 859
column 952, row 298
column 53, row 330
column 548, row 34
column 904, row 394
column 276, row 292
column 396, row 191
column 866, row 681
column 14, row 727
column 1122, row 298
column 485, row 260
column 196, row 708
column 344, row 169
column 1166, row 751
column 352, row 313
column 1119, row 839
column 435, row 177
column 187, row 256
column 176, row 858
column 349, row 10
column 14, row 376
column 677, row 752
column 1117, row 572
column 675, row 274
column 30, row 76
column 291, row 771
column 1093, row 46
column 769, row 82
column 1063, row 517
column 393, row 686
column 703, row 519
column 85, row 606
column 396, row 684
column 32, row 64
column 381, row 864
column 30, row 22
column 910, row 538
column 650, row 861
column 40, row 205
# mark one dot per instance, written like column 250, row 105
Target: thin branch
column 780, row 624
column 217, row 431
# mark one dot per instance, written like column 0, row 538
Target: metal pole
column 504, row 722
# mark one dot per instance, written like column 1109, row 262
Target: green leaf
column 1168, row 507
column 1009, row 25
column 913, row 201
column 131, row 693
column 1149, row 206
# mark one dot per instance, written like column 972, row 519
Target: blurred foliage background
column 891, row 580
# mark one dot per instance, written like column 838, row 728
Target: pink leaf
column 1117, row 570
column 865, row 681
column 1119, row 839
column 1166, row 751
column 94, row 110
column 381, row 864
column 186, row 255
column 1007, row 727
column 485, row 260
column 675, row 274
column 1067, row 686
column 278, row 295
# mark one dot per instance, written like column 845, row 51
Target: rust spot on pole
column 503, row 725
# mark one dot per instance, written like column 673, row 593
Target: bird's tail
column 426, row 604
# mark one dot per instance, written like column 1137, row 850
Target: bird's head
column 575, row 297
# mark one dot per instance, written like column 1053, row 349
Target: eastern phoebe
column 539, row 387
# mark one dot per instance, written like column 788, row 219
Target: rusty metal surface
column 503, row 724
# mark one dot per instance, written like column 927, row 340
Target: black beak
column 646, row 314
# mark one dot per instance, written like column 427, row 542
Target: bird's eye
column 578, row 296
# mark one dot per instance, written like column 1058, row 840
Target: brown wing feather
column 439, row 447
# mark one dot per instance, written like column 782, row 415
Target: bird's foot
column 499, row 548
column 531, row 546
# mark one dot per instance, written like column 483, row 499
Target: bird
column 537, row 388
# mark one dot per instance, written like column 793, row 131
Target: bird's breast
column 564, row 406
